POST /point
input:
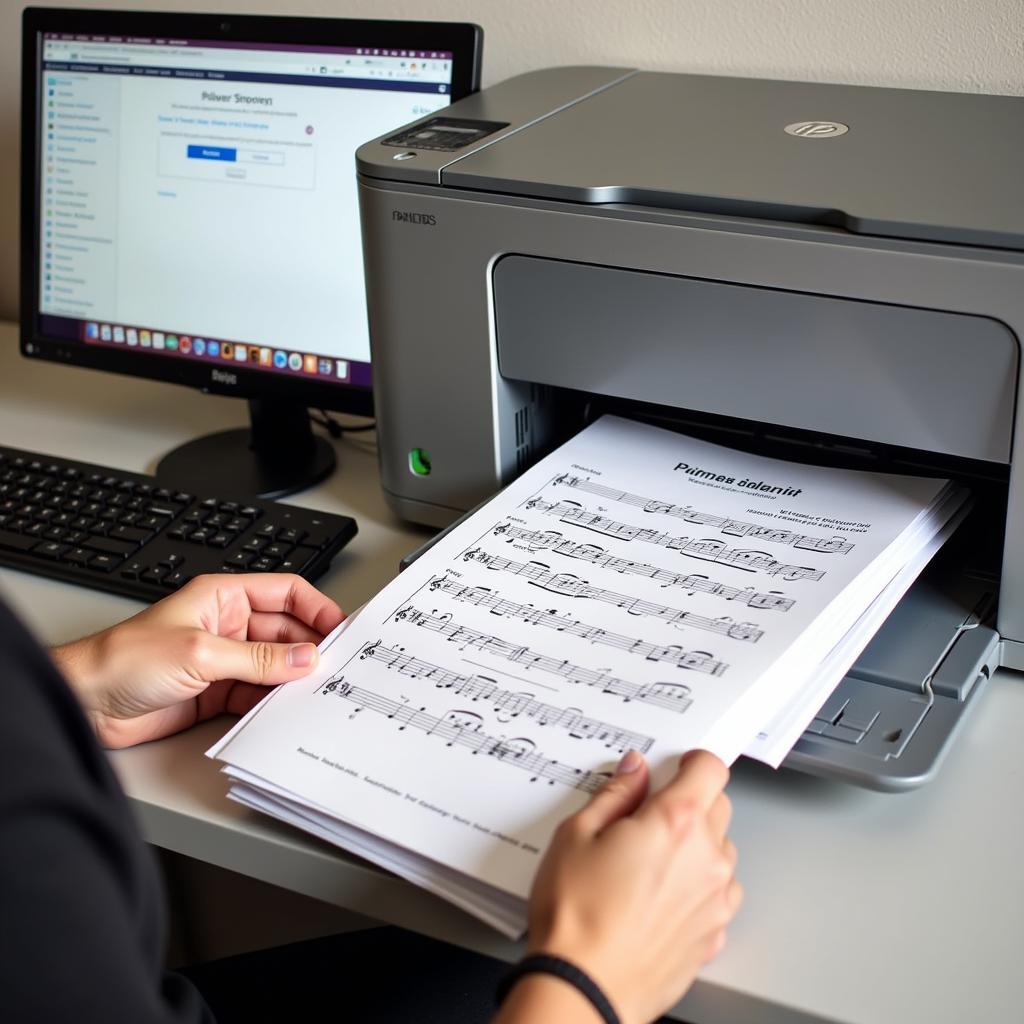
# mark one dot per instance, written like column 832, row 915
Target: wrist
column 79, row 662
column 545, row 997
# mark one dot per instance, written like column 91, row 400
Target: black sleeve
column 81, row 914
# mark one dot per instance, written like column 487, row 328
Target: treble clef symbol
column 369, row 650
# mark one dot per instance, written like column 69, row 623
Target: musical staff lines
column 482, row 689
column 543, row 576
column 731, row 527
column 708, row 550
column 464, row 729
column 670, row 695
column 484, row 597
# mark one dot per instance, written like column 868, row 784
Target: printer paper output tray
column 878, row 729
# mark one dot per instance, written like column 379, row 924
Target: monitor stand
column 277, row 455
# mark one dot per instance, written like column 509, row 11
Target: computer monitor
column 189, row 210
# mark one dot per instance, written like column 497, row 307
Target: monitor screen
column 187, row 186
column 194, row 189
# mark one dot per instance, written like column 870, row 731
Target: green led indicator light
column 419, row 462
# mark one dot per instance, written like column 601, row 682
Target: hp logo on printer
column 817, row 129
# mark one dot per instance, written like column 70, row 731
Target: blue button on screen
column 212, row 153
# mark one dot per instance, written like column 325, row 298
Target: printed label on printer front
column 410, row 217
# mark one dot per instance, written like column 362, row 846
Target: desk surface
column 861, row 908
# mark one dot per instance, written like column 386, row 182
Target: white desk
column 861, row 908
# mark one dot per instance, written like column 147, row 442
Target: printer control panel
column 444, row 133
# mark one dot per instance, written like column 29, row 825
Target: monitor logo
column 817, row 129
column 223, row 377
column 408, row 217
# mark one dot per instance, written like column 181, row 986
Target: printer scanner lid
column 946, row 167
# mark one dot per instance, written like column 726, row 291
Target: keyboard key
column 50, row 549
column 179, row 532
column 172, row 561
column 291, row 536
column 250, row 512
column 181, row 498
column 105, row 563
column 200, row 536
column 276, row 551
column 153, row 575
column 176, row 579
column 240, row 559
column 130, row 533
column 263, row 565
column 111, row 547
column 77, row 556
column 298, row 560
column 162, row 511
column 254, row 544
column 16, row 541
column 133, row 570
column 219, row 540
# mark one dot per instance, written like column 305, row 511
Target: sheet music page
column 630, row 591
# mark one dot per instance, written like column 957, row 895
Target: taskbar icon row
column 260, row 357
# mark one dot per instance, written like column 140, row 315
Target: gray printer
column 818, row 272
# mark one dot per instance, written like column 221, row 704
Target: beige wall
column 965, row 45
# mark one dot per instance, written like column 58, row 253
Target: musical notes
column 696, row 661
column 460, row 730
column 541, row 575
column 732, row 527
column 507, row 704
column 674, row 696
column 707, row 550
column 568, row 586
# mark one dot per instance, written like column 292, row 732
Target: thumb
column 256, row 661
column 620, row 796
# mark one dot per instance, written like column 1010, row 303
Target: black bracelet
column 560, row 968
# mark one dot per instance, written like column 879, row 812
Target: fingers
column 282, row 592
column 698, row 783
column 719, row 817
column 620, row 796
column 280, row 628
column 211, row 658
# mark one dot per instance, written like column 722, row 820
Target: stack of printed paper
column 636, row 589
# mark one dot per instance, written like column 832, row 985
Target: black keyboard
column 125, row 533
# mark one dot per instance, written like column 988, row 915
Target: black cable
column 336, row 429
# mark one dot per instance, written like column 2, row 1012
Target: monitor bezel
column 463, row 40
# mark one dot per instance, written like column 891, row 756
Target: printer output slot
column 880, row 729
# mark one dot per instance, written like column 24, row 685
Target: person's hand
column 214, row 646
column 637, row 893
